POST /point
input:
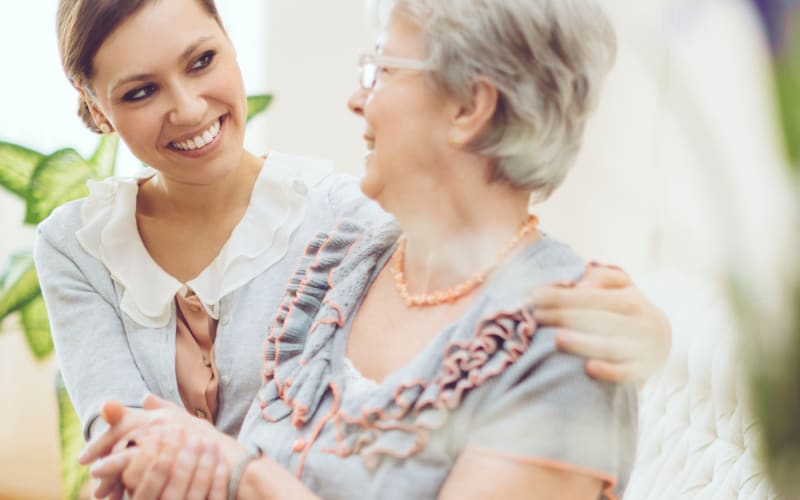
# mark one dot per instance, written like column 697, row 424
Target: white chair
column 697, row 440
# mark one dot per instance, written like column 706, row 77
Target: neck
column 168, row 197
column 459, row 232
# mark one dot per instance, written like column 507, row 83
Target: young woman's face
column 168, row 82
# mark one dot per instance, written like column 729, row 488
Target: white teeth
column 200, row 140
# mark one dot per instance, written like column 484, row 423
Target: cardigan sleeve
column 348, row 202
column 90, row 342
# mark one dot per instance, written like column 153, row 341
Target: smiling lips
column 200, row 140
column 370, row 142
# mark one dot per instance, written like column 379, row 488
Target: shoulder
column 62, row 224
column 544, row 262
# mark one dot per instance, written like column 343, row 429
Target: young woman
column 167, row 283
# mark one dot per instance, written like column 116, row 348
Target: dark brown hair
column 83, row 26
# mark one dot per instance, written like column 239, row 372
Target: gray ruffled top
column 491, row 381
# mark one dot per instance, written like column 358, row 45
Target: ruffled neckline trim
column 261, row 238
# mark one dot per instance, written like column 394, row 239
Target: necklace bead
column 453, row 294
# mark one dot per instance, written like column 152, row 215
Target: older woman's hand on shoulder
column 607, row 319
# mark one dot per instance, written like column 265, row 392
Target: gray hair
column 547, row 59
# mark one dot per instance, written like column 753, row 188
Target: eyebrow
column 149, row 76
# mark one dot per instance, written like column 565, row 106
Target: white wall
column 312, row 53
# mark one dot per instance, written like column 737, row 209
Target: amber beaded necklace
column 461, row 290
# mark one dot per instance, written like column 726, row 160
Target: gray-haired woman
column 406, row 360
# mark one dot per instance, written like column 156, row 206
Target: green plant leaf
column 37, row 329
column 104, row 158
column 59, row 178
column 257, row 104
column 16, row 166
column 73, row 476
column 19, row 284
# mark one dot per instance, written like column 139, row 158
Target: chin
column 370, row 186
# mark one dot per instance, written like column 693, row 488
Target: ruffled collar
column 261, row 238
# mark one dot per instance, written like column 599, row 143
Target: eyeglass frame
column 378, row 61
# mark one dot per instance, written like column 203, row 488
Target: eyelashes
column 144, row 91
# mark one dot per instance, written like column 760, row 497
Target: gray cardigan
column 104, row 354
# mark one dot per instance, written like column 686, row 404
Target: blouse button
column 200, row 413
column 299, row 445
column 225, row 319
column 300, row 187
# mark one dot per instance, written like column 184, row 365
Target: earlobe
column 475, row 114
column 99, row 119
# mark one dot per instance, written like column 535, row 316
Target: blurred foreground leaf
column 73, row 476
column 772, row 348
column 37, row 329
column 257, row 104
column 104, row 158
column 59, row 178
column 16, row 167
column 19, row 284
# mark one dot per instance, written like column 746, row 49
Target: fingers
column 158, row 472
column 147, row 453
column 604, row 276
column 607, row 349
column 219, row 484
column 200, row 486
column 110, row 468
column 104, row 443
column 183, row 470
column 113, row 411
column 612, row 372
column 596, row 322
column 620, row 301
column 118, row 493
column 153, row 402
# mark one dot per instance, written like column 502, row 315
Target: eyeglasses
column 370, row 64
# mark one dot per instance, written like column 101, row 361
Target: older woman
column 405, row 360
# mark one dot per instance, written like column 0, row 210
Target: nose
column 188, row 107
column 357, row 100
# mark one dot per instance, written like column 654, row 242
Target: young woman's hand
column 166, row 462
column 606, row 319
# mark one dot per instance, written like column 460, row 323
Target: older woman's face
column 167, row 80
column 405, row 123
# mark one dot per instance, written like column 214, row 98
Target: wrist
column 251, row 483
column 238, row 471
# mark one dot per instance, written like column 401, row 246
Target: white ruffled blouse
column 277, row 206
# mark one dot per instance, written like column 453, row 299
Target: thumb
column 153, row 402
column 113, row 411
column 604, row 276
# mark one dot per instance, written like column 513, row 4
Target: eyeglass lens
column 368, row 73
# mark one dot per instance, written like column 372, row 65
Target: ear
column 471, row 117
column 97, row 115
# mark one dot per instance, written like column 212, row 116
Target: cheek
column 137, row 127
